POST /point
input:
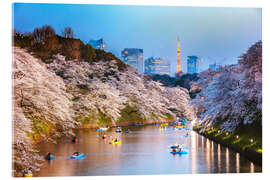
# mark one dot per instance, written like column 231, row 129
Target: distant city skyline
column 133, row 57
column 98, row 44
column 192, row 64
column 211, row 33
column 157, row 65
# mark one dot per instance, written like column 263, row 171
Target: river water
column 144, row 151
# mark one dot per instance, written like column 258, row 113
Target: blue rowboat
column 180, row 152
column 175, row 146
column 80, row 156
column 118, row 130
column 49, row 157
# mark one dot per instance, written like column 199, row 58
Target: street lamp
column 237, row 137
column 251, row 140
column 227, row 133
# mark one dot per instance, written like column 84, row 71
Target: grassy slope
column 252, row 149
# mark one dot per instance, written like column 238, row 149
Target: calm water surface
column 144, row 151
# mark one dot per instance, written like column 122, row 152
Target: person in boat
column 48, row 155
column 75, row 139
column 75, row 154
column 180, row 149
column 128, row 131
column 174, row 150
column 116, row 140
column 104, row 136
column 27, row 171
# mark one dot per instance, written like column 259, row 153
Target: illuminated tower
column 178, row 66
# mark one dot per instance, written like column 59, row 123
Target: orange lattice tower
column 178, row 66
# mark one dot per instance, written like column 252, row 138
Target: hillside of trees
column 232, row 98
column 60, row 84
column 44, row 43
column 183, row 81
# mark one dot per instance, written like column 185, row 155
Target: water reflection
column 227, row 161
column 212, row 153
column 194, row 140
column 251, row 167
column 202, row 139
column 208, row 155
column 219, row 160
column 144, row 151
column 237, row 156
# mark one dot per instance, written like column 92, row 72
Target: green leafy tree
column 88, row 53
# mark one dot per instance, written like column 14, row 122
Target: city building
column 157, row 65
column 133, row 57
column 215, row 67
column 98, row 44
column 192, row 64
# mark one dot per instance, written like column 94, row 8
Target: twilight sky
column 220, row 34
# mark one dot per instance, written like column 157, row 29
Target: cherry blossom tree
column 232, row 96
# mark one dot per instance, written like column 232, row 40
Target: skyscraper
column 133, row 57
column 178, row 66
column 157, row 65
column 215, row 67
column 98, row 44
column 192, row 64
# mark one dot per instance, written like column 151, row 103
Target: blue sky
column 208, row 32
